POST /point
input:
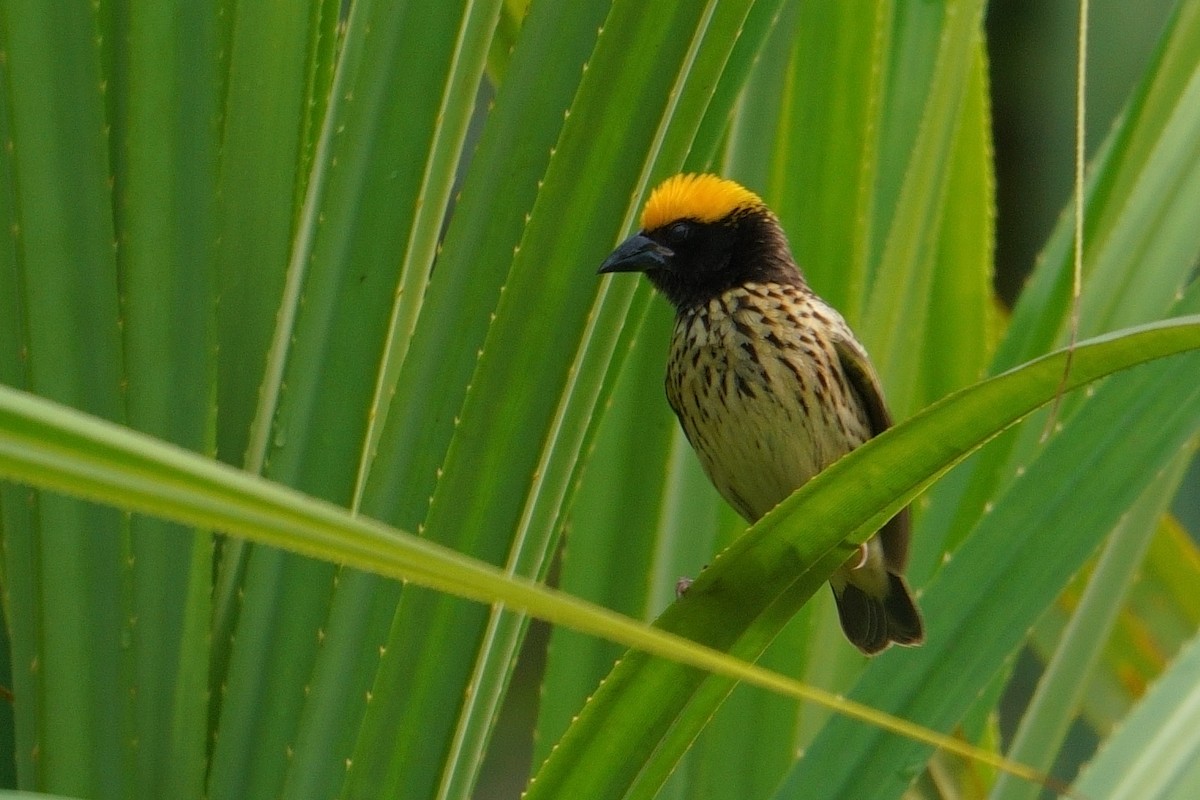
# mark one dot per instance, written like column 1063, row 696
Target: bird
column 769, row 383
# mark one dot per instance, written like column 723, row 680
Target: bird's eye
column 679, row 231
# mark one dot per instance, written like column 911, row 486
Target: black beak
column 638, row 253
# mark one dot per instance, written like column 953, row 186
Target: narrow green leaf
column 708, row 150
column 825, row 166
column 362, row 607
column 57, row 448
column 503, row 483
column 377, row 155
column 1144, row 172
column 754, row 735
column 278, row 74
column 960, row 327
column 702, row 104
column 1139, row 233
column 489, row 215
column 504, row 41
column 1160, row 616
column 1067, row 676
column 754, row 587
column 663, row 530
column 278, row 80
column 1155, row 752
column 455, row 97
column 1008, row 570
column 166, row 140
column 899, row 315
column 16, row 517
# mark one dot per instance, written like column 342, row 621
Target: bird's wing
column 865, row 384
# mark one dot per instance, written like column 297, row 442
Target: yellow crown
column 704, row 198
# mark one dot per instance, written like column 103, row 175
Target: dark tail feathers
column 872, row 623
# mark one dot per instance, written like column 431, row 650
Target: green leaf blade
column 66, row 610
column 741, row 601
column 1154, row 754
column 977, row 613
column 514, row 492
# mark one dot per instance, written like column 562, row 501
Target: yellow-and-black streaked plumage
column 769, row 383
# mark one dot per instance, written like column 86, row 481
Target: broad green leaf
column 502, row 485
column 66, row 585
column 289, row 718
column 430, row 144
column 489, row 213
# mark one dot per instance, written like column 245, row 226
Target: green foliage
column 354, row 258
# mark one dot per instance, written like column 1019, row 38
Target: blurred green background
column 349, row 248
